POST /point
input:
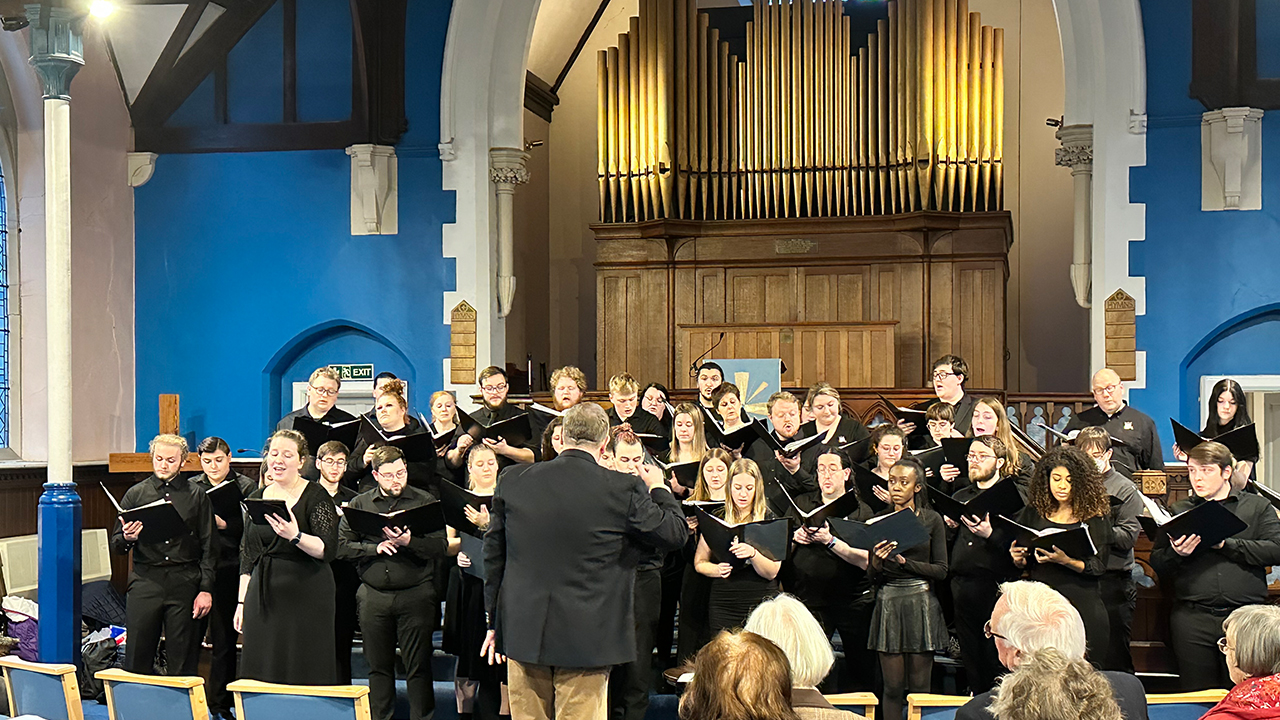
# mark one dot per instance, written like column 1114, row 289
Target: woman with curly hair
column 1066, row 492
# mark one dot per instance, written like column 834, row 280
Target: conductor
column 560, row 556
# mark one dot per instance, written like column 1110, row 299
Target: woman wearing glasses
column 1066, row 492
column 393, row 421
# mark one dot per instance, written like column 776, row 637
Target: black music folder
column 691, row 507
column 653, row 443
column 858, row 450
column 865, row 479
column 769, row 537
column 956, row 452
column 1075, row 542
column 160, row 519
column 444, row 439
column 260, row 508
column 738, row 438
column 225, row 498
column 846, row 504
column 1210, row 520
column 473, row 547
column 1002, row 498
column 318, row 433
column 1242, row 442
column 418, row 447
column 685, row 472
column 902, row 527
column 454, row 498
column 421, row 520
column 1271, row 496
column 1070, row 437
column 912, row 415
column 516, row 431
column 788, row 449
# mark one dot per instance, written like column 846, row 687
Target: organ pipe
column 815, row 121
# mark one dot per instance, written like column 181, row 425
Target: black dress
column 464, row 629
column 695, row 595
column 1081, row 589
column 289, row 609
column 731, row 599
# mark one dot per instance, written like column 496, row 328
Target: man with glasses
column 1119, row 592
column 1139, row 443
column 980, row 562
column 495, row 408
column 1031, row 616
column 949, row 375
column 397, row 595
column 322, row 399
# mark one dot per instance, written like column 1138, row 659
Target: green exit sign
column 354, row 372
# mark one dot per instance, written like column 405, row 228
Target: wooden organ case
column 830, row 200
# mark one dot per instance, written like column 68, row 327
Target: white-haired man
column 1031, row 616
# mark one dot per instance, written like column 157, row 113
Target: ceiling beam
column 577, row 49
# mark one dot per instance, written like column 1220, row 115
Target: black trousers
column 853, row 622
column 223, row 637
column 672, row 577
column 345, row 621
column 160, row 599
column 974, row 599
column 629, row 683
column 1120, row 595
column 404, row 617
column 1195, row 632
column 695, row 627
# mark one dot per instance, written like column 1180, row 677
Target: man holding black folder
column 494, row 409
column 322, row 400
column 172, row 579
column 949, row 375
column 790, row 471
column 225, row 488
column 1210, row 582
column 397, row 592
column 558, row 589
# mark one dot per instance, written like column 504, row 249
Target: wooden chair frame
column 193, row 685
column 66, row 673
column 359, row 694
column 916, row 701
column 865, row 700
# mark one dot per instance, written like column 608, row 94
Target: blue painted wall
column 247, row 276
column 1212, row 295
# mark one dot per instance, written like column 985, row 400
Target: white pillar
column 1077, row 153
column 507, row 170
column 57, row 258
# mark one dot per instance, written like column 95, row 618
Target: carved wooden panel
column 844, row 354
column 1121, row 332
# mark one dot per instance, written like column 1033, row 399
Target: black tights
column 903, row 673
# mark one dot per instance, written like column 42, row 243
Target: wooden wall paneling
column 844, row 354
column 851, row 295
column 978, row 318
column 712, row 301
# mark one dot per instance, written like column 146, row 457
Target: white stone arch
column 481, row 107
column 1104, row 57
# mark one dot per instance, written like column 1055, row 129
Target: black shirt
column 333, row 417
column 926, row 561
column 1141, row 448
column 978, row 557
column 412, row 565
column 643, row 422
column 196, row 546
column 422, row 474
column 963, row 420
column 486, row 415
column 815, row 574
column 229, row 539
column 1234, row 575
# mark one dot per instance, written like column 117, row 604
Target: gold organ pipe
column 666, row 172
column 628, row 163
column 652, row 105
column 939, row 103
column 925, row 146
column 775, row 93
column 703, row 119
column 988, row 41
column 602, row 132
column 754, row 61
column 636, row 127
column 681, row 160
column 962, row 104
column 783, row 108
column 820, row 79
column 882, row 107
column 640, row 101
column 975, row 106
column 997, row 119
column 951, row 39
column 873, row 123
column 831, row 31
column 864, row 181
column 846, row 86
column 810, row 119
column 613, row 132
column 891, row 96
column 737, row 201
column 726, row 126
column 713, row 120
column 910, row 61
column 691, row 71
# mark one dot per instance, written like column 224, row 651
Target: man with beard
column 980, row 562
column 568, row 386
column 794, row 472
column 171, row 584
column 493, row 392
column 397, row 593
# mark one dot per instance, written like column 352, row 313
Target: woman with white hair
column 1252, row 647
column 788, row 624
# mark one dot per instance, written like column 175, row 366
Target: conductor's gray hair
column 1254, row 635
column 1040, row 617
column 585, row 426
column 789, row 624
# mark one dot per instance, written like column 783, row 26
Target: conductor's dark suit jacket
column 560, row 557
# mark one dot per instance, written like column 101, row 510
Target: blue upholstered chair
column 265, row 701
column 153, row 697
column 47, row 691
column 863, row 703
column 923, row 706
column 1182, row 706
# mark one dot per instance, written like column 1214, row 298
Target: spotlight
column 101, row 8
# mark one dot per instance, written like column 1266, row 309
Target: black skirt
column 464, row 628
column 289, row 623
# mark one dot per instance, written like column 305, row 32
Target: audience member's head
column 1031, row 616
column 1048, row 685
column 739, row 676
column 787, row 623
column 1252, row 642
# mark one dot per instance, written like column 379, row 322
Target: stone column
column 57, row 53
column 1077, row 153
column 507, row 170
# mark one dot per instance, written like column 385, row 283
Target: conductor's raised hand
column 287, row 529
column 132, row 530
column 651, row 476
column 489, row 650
column 202, row 605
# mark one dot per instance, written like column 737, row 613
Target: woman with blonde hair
column 688, row 436
column 695, row 588
column 990, row 418
column 829, row 418
column 1050, row 686
column 737, row 589
column 739, row 676
column 444, row 419
column 787, row 623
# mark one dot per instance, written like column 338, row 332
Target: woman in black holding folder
column 449, row 457
column 1227, row 411
column 287, row 592
column 907, row 624
column 1066, row 492
column 1211, row 581
column 695, row 588
column 392, row 420
column 736, row 590
column 464, row 620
